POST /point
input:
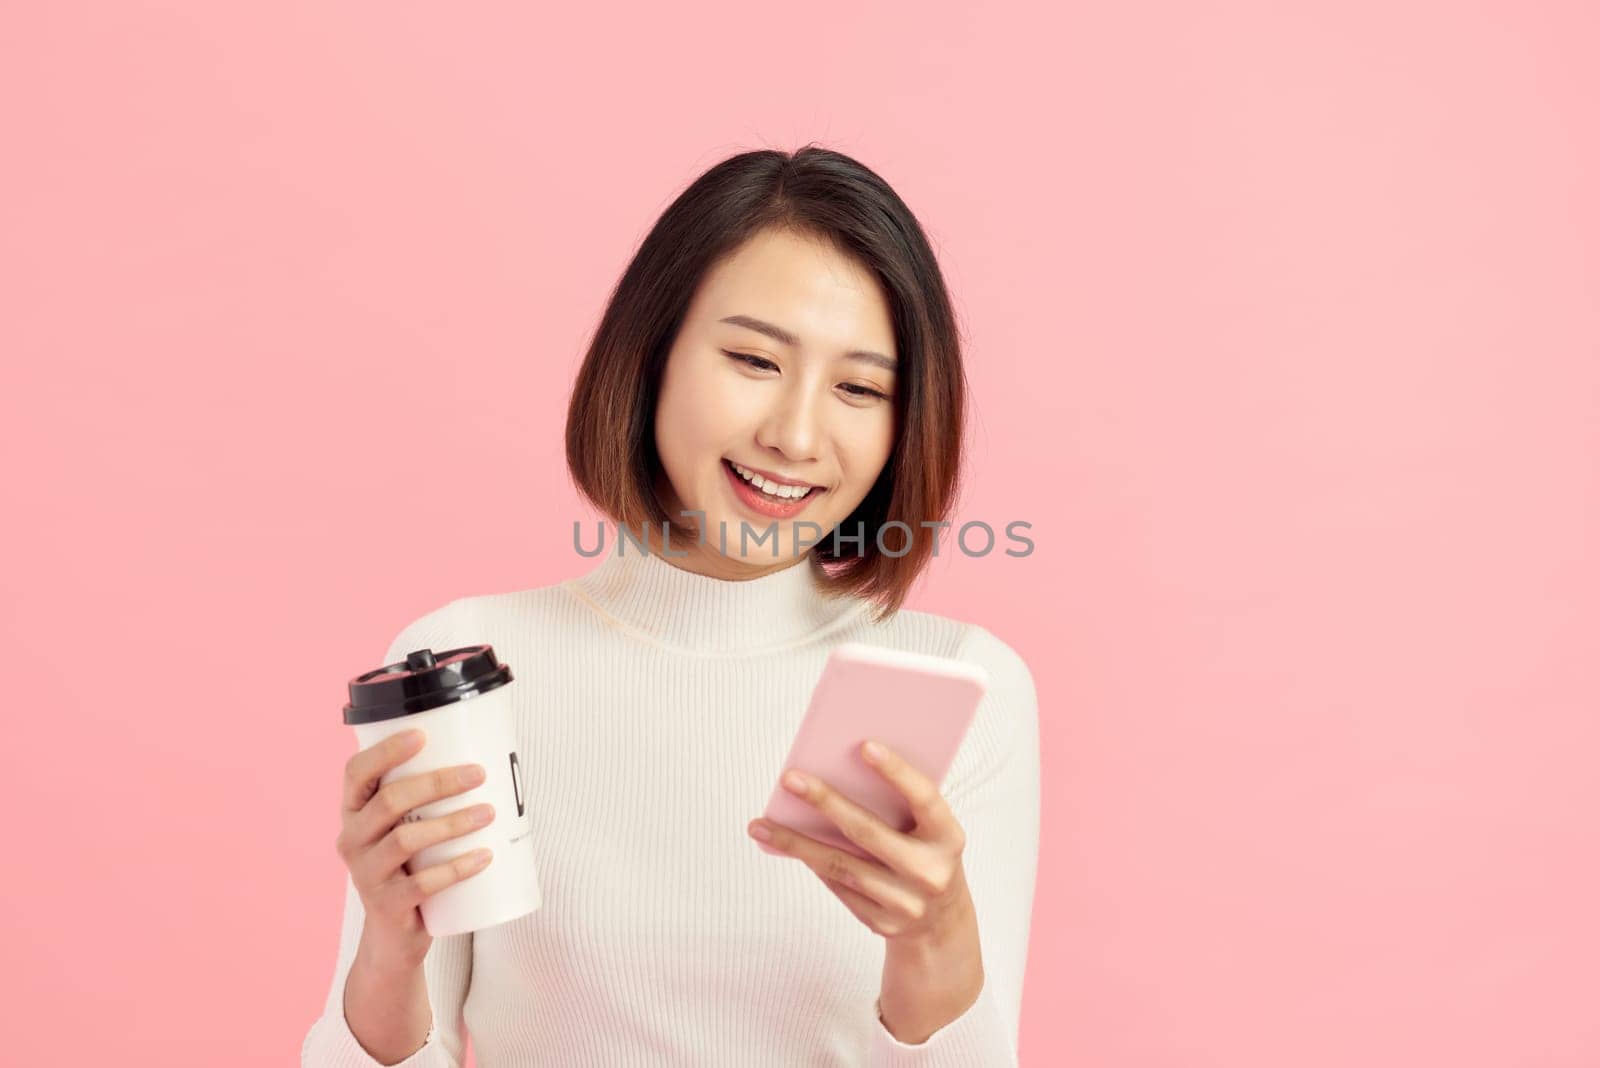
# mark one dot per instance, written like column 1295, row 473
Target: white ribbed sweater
column 654, row 707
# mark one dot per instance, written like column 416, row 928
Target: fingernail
column 759, row 831
column 795, row 782
column 874, row 751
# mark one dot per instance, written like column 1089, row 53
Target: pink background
column 1283, row 335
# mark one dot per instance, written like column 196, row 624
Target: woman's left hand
column 918, row 890
column 915, row 895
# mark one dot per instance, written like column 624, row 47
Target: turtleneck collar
column 687, row 610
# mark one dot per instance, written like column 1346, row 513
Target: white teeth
column 771, row 489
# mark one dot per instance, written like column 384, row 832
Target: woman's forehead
column 809, row 293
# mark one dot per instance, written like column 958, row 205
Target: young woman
column 784, row 327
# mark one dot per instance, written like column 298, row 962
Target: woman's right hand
column 375, row 843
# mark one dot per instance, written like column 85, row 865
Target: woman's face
column 783, row 366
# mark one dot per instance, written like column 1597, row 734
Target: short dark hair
column 813, row 192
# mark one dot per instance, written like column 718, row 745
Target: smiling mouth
column 764, row 496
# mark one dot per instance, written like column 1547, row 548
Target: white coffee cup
column 460, row 700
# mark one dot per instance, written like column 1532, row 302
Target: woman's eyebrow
column 785, row 337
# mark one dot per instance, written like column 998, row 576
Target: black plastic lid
column 424, row 680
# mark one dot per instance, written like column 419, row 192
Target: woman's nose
column 791, row 426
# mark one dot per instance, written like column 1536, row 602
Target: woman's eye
column 753, row 361
column 762, row 364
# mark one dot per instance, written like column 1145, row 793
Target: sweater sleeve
column 993, row 789
column 447, row 967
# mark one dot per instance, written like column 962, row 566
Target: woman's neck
column 673, row 605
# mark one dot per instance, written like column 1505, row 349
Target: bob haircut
column 813, row 192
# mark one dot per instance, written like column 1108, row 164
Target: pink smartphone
column 919, row 705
